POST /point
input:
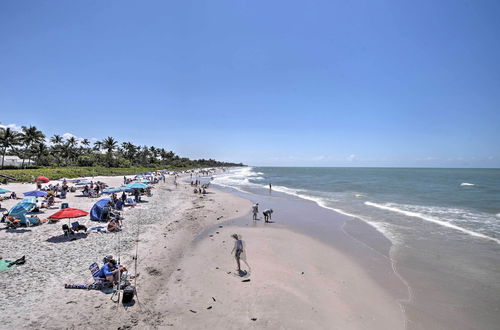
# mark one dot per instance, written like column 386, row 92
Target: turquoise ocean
column 465, row 200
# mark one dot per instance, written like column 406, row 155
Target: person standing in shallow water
column 255, row 210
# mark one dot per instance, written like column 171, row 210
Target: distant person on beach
column 270, row 186
column 237, row 249
column 267, row 214
column 255, row 210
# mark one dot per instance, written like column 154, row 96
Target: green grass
column 54, row 173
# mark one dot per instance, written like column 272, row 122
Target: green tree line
column 31, row 146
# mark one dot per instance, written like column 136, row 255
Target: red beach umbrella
column 68, row 213
column 42, row 179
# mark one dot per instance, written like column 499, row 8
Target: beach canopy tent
column 3, row 191
column 68, row 213
column 42, row 179
column 36, row 193
column 97, row 213
column 136, row 185
column 23, row 207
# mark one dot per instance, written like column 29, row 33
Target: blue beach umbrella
column 35, row 193
column 23, row 207
column 112, row 190
column 3, row 191
column 83, row 183
column 136, row 185
column 144, row 181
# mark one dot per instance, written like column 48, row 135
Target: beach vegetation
column 58, row 157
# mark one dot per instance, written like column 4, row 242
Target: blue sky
column 304, row 83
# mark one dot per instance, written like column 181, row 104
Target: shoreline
column 447, row 278
column 176, row 265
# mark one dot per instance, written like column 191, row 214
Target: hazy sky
column 325, row 83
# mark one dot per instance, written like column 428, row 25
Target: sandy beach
column 186, row 274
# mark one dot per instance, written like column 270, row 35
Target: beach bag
column 128, row 294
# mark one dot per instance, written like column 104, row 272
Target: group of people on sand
column 94, row 189
column 199, row 188
column 267, row 212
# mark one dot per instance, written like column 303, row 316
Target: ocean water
column 444, row 226
column 464, row 200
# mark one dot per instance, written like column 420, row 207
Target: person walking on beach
column 255, row 210
column 237, row 249
column 267, row 214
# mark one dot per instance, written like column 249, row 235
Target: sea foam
column 392, row 208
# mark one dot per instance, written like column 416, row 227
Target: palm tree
column 97, row 145
column 56, row 139
column 109, row 144
column 39, row 150
column 8, row 139
column 70, row 149
column 129, row 150
column 31, row 135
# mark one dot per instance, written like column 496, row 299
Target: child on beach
column 255, row 210
column 237, row 249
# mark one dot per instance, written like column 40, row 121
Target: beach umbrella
column 69, row 180
column 68, row 213
column 112, row 190
column 35, row 193
column 23, row 207
column 136, row 185
column 42, row 179
column 3, row 191
column 83, row 183
column 145, row 181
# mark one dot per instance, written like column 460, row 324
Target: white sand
column 177, row 275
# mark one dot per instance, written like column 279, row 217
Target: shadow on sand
column 64, row 239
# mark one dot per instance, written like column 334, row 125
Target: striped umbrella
column 23, row 207
column 3, row 191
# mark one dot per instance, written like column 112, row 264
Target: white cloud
column 69, row 135
column 351, row 157
column 13, row 127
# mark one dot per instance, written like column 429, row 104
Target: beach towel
column 7, row 264
column 4, row 265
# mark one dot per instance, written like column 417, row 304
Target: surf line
column 430, row 219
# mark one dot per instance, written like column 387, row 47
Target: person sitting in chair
column 111, row 271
